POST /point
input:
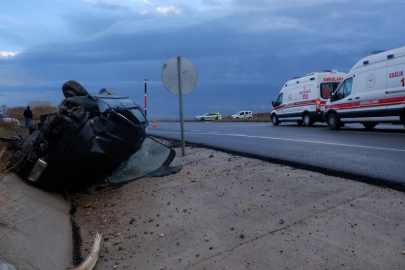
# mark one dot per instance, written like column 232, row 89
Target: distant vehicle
column 373, row 92
column 303, row 99
column 8, row 119
column 209, row 117
column 242, row 115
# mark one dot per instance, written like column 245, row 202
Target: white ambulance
column 302, row 100
column 373, row 92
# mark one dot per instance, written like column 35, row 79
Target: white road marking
column 293, row 140
column 367, row 132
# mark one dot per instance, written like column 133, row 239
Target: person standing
column 28, row 116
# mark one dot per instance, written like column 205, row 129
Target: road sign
column 170, row 76
column 179, row 76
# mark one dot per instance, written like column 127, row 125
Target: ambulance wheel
column 307, row 120
column 274, row 120
column 299, row 123
column 333, row 121
column 369, row 126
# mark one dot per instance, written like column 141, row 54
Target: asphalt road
column 378, row 154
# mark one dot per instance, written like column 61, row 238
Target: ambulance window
column 348, row 87
column 340, row 92
column 327, row 89
column 279, row 100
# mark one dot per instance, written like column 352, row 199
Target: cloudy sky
column 244, row 50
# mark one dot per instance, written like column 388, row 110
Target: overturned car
column 90, row 139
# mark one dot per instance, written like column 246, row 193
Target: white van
column 242, row 115
column 303, row 99
column 373, row 92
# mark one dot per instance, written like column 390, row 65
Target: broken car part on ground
column 87, row 139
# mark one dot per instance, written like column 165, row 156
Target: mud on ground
column 226, row 212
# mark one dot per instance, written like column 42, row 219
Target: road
column 378, row 154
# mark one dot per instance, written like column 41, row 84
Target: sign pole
column 146, row 96
column 183, row 150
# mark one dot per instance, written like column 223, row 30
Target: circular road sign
column 170, row 76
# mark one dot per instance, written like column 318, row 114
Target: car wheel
column 299, row 123
column 306, row 119
column 274, row 120
column 333, row 121
column 73, row 89
column 250, row 118
column 369, row 126
column 404, row 120
column 237, row 118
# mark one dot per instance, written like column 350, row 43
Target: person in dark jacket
column 28, row 116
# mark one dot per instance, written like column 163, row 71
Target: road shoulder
column 229, row 212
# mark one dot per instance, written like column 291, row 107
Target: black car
column 87, row 139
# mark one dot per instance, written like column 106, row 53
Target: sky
column 244, row 50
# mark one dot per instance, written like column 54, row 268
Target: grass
column 17, row 112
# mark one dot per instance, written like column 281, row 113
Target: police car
column 373, row 92
column 209, row 117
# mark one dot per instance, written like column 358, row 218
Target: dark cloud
column 243, row 56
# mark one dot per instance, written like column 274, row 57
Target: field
column 17, row 112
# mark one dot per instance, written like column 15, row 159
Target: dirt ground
column 8, row 130
column 226, row 212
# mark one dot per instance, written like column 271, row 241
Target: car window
column 348, row 87
column 279, row 100
column 242, row 113
column 139, row 115
column 340, row 92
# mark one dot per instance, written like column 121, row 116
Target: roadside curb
column 298, row 165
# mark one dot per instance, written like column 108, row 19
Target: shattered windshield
column 148, row 159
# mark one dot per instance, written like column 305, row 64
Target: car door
column 395, row 92
column 278, row 106
column 369, row 99
column 343, row 100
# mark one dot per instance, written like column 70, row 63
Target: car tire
column 333, row 121
column 250, row 118
column 274, row 120
column 72, row 89
column 237, row 118
column 306, row 119
column 369, row 126
column 403, row 118
column 300, row 123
